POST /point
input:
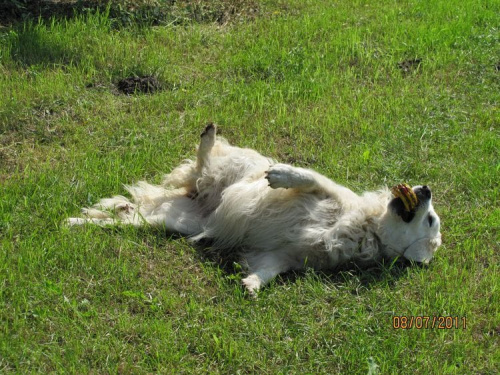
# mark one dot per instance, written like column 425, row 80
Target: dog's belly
column 254, row 217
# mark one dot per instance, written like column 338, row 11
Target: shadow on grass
column 14, row 11
column 132, row 12
column 229, row 263
column 386, row 272
column 33, row 46
column 383, row 273
column 37, row 35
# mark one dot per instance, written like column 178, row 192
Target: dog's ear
column 398, row 207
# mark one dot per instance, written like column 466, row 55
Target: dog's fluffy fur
column 277, row 216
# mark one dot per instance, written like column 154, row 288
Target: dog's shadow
column 385, row 272
column 356, row 277
column 351, row 275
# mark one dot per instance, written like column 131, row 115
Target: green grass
column 313, row 83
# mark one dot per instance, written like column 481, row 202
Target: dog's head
column 412, row 233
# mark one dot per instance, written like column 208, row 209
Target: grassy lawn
column 368, row 93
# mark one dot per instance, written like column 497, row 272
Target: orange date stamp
column 429, row 322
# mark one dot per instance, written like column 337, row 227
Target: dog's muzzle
column 423, row 193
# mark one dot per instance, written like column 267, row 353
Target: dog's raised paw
column 210, row 130
column 280, row 176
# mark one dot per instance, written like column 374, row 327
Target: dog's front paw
column 280, row 176
column 252, row 284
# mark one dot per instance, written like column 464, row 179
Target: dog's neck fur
column 362, row 240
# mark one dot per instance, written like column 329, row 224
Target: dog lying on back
column 278, row 217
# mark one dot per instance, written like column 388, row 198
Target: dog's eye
column 430, row 219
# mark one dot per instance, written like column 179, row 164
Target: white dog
column 278, row 217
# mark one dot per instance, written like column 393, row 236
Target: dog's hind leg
column 180, row 215
column 186, row 174
column 73, row 221
column 177, row 215
column 206, row 145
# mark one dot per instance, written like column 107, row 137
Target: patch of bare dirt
column 139, row 85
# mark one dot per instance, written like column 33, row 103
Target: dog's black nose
column 423, row 192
